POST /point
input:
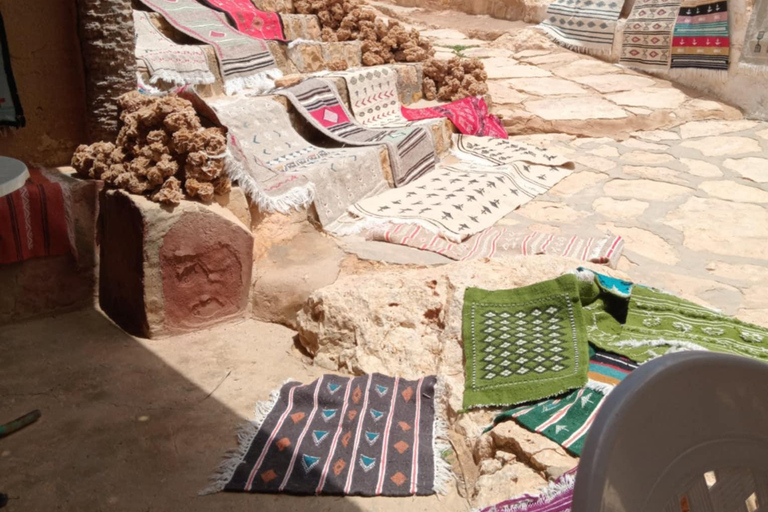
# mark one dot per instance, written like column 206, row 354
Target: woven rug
column 499, row 242
column 458, row 201
column 700, row 39
column 250, row 20
column 245, row 62
column 557, row 496
column 488, row 151
column 166, row 60
column 583, row 25
column 35, row 221
column 648, row 34
column 411, row 150
column 470, row 116
column 754, row 55
column 280, row 170
column 373, row 97
column 566, row 420
column 369, row 436
column 11, row 113
column 523, row 344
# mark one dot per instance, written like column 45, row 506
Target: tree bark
column 107, row 44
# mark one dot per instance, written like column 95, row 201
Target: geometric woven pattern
column 585, row 25
column 648, row 34
column 523, row 344
column 701, row 36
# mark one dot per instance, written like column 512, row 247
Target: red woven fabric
column 33, row 221
column 469, row 115
column 251, row 21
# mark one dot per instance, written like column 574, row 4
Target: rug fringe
column 245, row 436
column 696, row 74
column 755, row 70
column 555, row 489
column 260, row 82
column 661, row 342
column 372, row 223
column 176, row 78
column 583, row 48
column 440, row 443
column 600, row 387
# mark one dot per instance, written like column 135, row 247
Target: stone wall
column 45, row 55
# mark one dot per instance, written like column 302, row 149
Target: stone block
column 301, row 26
column 409, row 80
column 282, row 6
column 309, row 57
column 172, row 270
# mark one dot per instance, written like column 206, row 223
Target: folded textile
column 754, row 55
column 411, row 150
column 280, row 170
column 566, row 420
column 557, row 496
column 35, row 221
column 648, row 34
column 373, row 97
column 11, row 113
column 523, row 344
column 500, row 241
column 250, row 20
column 457, row 201
column 167, row 61
column 488, row 151
column 245, row 62
column 583, row 25
column 470, row 116
column 701, row 37
column 368, row 436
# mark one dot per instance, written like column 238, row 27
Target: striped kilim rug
column 487, row 151
column 280, row 170
column 11, row 113
column 411, row 150
column 499, row 242
column 701, row 36
column 370, row 436
column 250, row 20
column 754, row 55
column 648, row 34
column 470, row 116
column 245, row 62
column 566, row 420
column 458, row 201
column 523, row 344
column 583, row 25
column 167, row 61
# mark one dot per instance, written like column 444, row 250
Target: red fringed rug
column 469, row 115
column 250, row 20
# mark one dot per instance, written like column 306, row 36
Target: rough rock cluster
column 455, row 79
column 161, row 149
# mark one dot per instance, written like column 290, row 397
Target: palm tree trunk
column 107, row 44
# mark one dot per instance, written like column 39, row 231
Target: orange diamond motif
column 352, row 414
column 407, row 393
column 398, row 478
column 339, row 467
column 283, row 443
column 346, row 438
column 268, row 476
column 403, row 425
column 297, row 417
column 401, row 447
column 357, row 394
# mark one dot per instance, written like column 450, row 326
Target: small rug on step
column 470, row 116
column 411, row 149
column 250, row 20
column 701, row 39
column 648, row 34
column 488, row 151
column 280, row 170
column 373, row 97
column 368, row 436
column 754, row 55
column 557, row 496
column 11, row 113
column 523, row 344
column 179, row 64
column 35, row 221
column 566, row 420
column 458, row 201
column 583, row 25
column 499, row 242
column 245, row 62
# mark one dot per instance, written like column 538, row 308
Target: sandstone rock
column 722, row 227
column 702, row 291
column 707, row 128
column 754, row 316
column 716, row 146
column 763, row 134
column 647, row 146
column 490, row 466
column 547, row 86
column 738, row 272
column 645, row 190
column 654, row 173
column 701, row 168
column 652, row 98
column 544, row 211
column 165, row 271
column 644, row 243
column 585, row 67
column 615, row 209
column 614, row 82
column 511, row 480
column 529, row 38
column 656, row 135
column 556, row 58
column 606, row 151
column 553, row 109
column 509, row 68
column 753, row 168
column 594, row 162
column 503, row 94
column 643, row 157
column 734, row 192
column 532, row 448
column 577, row 182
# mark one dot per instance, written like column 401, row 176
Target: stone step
column 281, row 6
